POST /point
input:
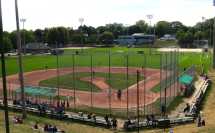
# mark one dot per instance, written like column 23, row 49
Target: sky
column 52, row 13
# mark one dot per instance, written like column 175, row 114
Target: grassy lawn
column 68, row 127
column 117, row 81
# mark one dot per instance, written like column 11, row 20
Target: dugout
column 186, row 82
column 36, row 93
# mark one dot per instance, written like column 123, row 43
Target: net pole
column 138, row 96
column 109, row 78
column 144, row 85
column 170, row 76
column 174, row 67
column 166, row 85
column 177, row 70
column 19, row 46
column 4, row 79
column 58, row 80
column 92, row 76
column 127, row 78
column 161, row 83
column 73, row 76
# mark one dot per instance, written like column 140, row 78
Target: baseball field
column 95, row 77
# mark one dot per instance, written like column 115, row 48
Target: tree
column 162, row 28
column 28, row 36
column 39, row 35
column 176, row 26
column 57, row 36
column 101, row 29
column 76, row 38
column 106, row 37
column 185, row 39
column 199, row 35
column 116, row 29
column 87, row 30
column 7, row 42
column 134, row 29
column 143, row 26
column 12, row 37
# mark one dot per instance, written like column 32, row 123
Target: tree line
column 61, row 36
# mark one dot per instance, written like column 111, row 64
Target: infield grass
column 117, row 81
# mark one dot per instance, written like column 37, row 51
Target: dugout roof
column 38, row 91
column 186, row 79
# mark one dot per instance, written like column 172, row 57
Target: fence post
column 109, row 78
column 127, row 78
column 58, row 87
column 73, row 76
column 144, row 85
column 161, row 82
column 92, row 76
column 138, row 96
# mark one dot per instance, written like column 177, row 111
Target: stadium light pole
column 23, row 20
column 81, row 20
column 4, row 80
column 19, row 48
column 150, row 17
column 202, row 67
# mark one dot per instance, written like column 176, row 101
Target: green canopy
column 186, row 79
column 38, row 91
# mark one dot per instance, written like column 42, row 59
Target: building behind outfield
column 136, row 39
column 36, row 48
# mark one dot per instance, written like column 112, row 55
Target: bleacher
column 188, row 118
column 97, row 121
column 197, row 98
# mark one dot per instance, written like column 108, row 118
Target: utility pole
column 2, row 49
column 81, row 20
column 214, row 40
column 214, row 44
column 150, row 17
column 23, row 20
column 19, row 47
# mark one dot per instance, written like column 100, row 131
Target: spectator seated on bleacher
column 114, row 123
column 203, row 122
column 194, row 110
column 15, row 102
column 94, row 117
column 107, row 121
column 45, row 128
column 81, row 114
column 199, row 121
column 127, row 123
column 50, row 129
column 148, row 119
column 187, row 108
column 28, row 102
column 35, row 126
column 60, row 110
column 89, row 116
column 154, row 121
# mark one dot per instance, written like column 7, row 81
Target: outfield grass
column 117, row 81
column 38, row 62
